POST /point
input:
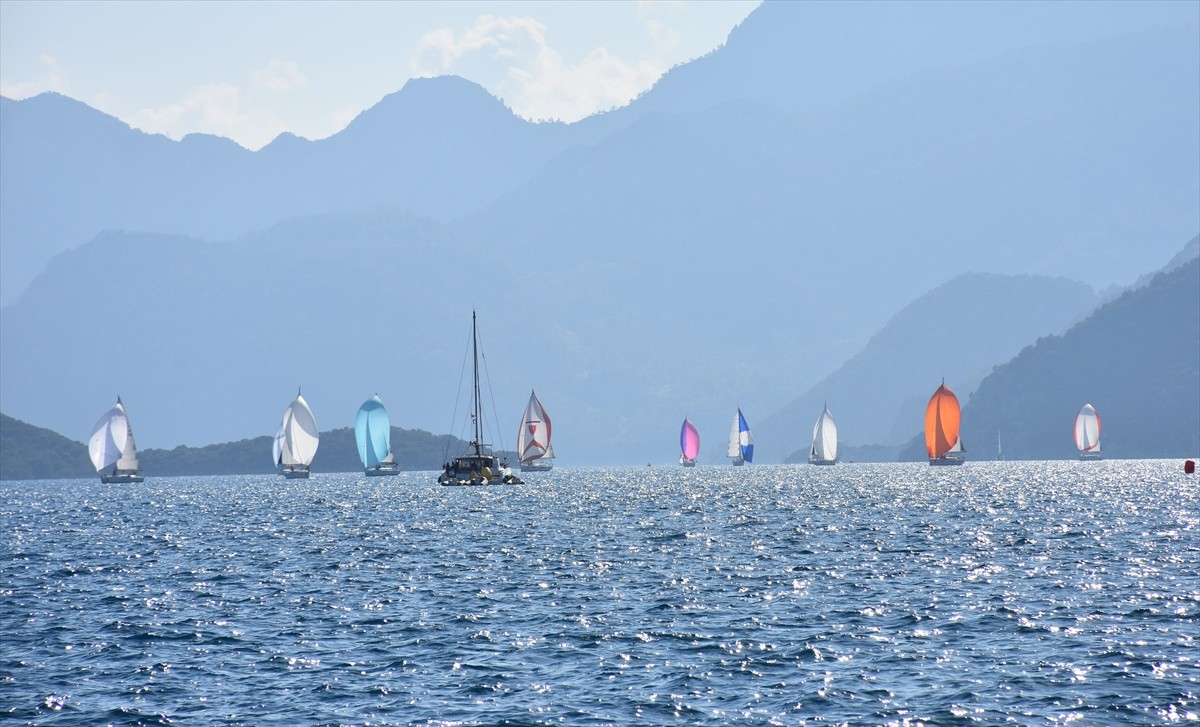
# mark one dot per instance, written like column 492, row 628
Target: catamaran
column 373, row 435
column 111, row 445
column 741, row 442
column 942, row 420
column 296, row 440
column 824, row 449
column 480, row 467
column 1087, row 433
column 689, row 444
column 534, row 449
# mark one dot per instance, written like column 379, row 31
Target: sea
column 1022, row 593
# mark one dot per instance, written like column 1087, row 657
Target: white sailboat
column 111, row 445
column 373, row 435
column 296, row 440
column 480, row 467
column 1087, row 433
column 534, row 449
column 741, row 442
column 824, row 449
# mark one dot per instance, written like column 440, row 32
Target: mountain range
column 731, row 238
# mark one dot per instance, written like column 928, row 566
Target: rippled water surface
column 1022, row 593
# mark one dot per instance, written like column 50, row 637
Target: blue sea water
column 1017, row 593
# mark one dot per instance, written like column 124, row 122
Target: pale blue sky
column 250, row 70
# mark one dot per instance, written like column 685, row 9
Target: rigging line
column 492, row 395
column 457, row 400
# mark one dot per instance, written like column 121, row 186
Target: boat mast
column 477, row 414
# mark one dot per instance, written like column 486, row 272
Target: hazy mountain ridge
column 1136, row 359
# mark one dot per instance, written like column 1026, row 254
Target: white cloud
column 248, row 116
column 52, row 80
column 511, row 57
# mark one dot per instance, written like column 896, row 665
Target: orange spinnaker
column 942, row 418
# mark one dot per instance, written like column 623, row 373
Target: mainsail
column 1087, row 429
column 942, row 420
column 372, row 433
column 689, row 441
column 297, row 438
column 741, row 442
column 824, row 439
column 112, row 441
column 533, row 441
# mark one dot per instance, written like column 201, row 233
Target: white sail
column 533, row 441
column 109, row 438
column 1087, row 429
column 734, row 451
column 300, row 436
column 957, row 446
column 824, row 441
column 129, row 457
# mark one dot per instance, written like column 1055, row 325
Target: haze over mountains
column 729, row 239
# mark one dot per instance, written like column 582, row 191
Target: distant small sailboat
column 296, row 440
column 999, row 449
column 741, row 442
column 824, row 449
column 373, row 434
column 689, row 444
column 534, row 449
column 111, row 445
column 1087, row 433
column 942, row 420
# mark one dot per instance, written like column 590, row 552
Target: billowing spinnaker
column 300, row 436
column 533, row 441
column 942, row 420
column 372, row 432
column 109, row 438
column 689, row 440
column 824, row 445
column 1087, row 429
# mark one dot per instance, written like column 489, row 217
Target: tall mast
column 477, row 415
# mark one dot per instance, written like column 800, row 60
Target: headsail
column 824, row 439
column 110, row 437
column 300, row 435
column 1087, row 429
column 372, row 433
column 942, row 420
column 689, row 440
column 533, row 441
column 741, row 441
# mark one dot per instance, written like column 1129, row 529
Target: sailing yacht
column 533, row 441
column 942, row 420
column 741, row 442
column 1087, row 433
column 689, row 444
column 373, row 435
column 296, row 440
column 111, row 445
column 480, row 467
column 824, row 449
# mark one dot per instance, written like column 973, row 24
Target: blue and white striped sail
column 372, row 432
column 741, row 442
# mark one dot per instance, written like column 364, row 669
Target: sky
column 252, row 70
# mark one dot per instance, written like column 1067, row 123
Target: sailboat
column 373, row 434
column 824, row 440
column 1087, row 433
column 296, row 440
column 533, row 441
column 480, row 467
column 741, row 442
column 111, row 445
column 942, row 419
column 689, row 444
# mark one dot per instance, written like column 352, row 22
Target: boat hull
column 945, row 461
column 382, row 471
column 122, row 477
column 537, row 466
column 1084, row 456
column 688, row 463
column 823, row 462
column 295, row 473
